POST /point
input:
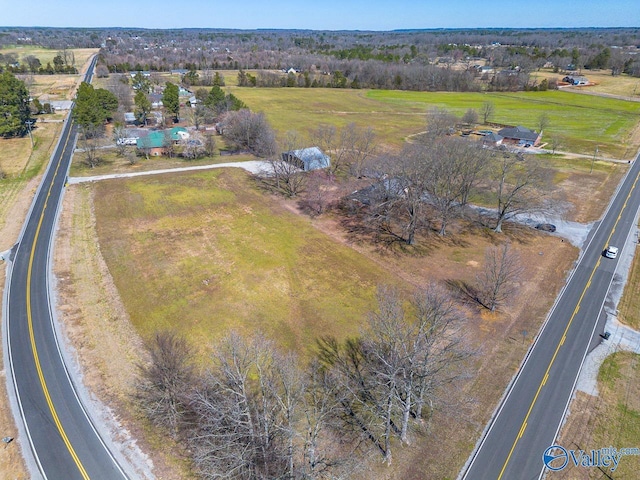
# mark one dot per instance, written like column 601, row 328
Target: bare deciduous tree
column 245, row 412
column 168, row 144
column 89, row 144
column 487, row 111
column 518, row 186
column 349, row 148
column 119, row 135
column 542, row 122
column 210, row 145
column 251, row 132
column 452, row 169
column 398, row 365
column 285, row 177
column 440, row 122
column 498, row 280
column 316, row 198
column 194, row 147
column 470, row 117
column 360, row 146
column 556, row 143
column 164, row 381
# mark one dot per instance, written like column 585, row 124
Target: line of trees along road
column 256, row 412
column 14, row 106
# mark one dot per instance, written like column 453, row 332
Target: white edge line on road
column 29, row 455
column 58, row 335
column 633, row 229
column 505, row 396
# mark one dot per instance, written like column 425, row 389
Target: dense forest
column 443, row 59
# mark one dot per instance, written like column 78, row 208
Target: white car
column 611, row 252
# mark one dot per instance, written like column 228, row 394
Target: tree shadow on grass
column 464, row 292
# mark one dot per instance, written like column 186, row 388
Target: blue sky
column 321, row 14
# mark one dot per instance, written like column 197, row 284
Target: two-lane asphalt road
column 62, row 439
column 527, row 421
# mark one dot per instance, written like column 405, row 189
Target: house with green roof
column 155, row 143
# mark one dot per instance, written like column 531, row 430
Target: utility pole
column 594, row 158
column 29, row 124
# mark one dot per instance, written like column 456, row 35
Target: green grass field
column 46, row 55
column 206, row 252
column 581, row 122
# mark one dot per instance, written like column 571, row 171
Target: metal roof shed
column 307, row 159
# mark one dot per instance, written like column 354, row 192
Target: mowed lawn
column 581, row 122
column 208, row 252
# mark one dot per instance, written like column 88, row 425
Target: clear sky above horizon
column 321, row 14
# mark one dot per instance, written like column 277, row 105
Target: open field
column 584, row 189
column 580, row 122
column 622, row 85
column 46, row 55
column 207, row 252
column 218, row 256
column 21, row 164
column 52, row 87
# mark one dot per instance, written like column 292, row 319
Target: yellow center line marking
column 32, row 339
column 555, row 354
column 524, row 425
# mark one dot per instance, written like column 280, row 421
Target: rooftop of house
column 159, row 138
column 520, row 133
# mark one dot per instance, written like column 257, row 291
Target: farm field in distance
column 46, row 55
column 581, row 122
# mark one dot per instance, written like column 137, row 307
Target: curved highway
column 529, row 416
column 62, row 440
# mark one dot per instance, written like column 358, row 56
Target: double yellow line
column 34, row 348
column 563, row 338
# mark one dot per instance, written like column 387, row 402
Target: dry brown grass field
column 207, row 252
column 602, row 82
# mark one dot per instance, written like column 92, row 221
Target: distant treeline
column 411, row 60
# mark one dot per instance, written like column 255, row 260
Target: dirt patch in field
column 589, row 195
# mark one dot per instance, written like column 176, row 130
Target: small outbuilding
column 492, row 139
column 129, row 118
column 307, row 159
